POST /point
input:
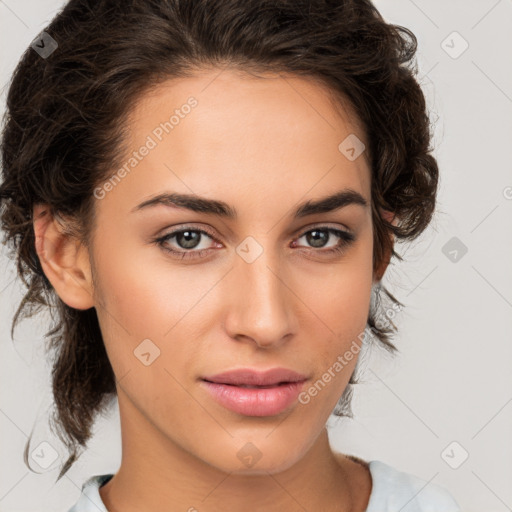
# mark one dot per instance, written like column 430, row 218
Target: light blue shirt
column 392, row 491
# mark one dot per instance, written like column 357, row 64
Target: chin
column 253, row 461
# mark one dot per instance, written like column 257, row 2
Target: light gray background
column 452, row 380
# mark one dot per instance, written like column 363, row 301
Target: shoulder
column 90, row 499
column 394, row 490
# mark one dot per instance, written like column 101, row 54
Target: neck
column 157, row 474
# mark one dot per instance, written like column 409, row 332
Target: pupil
column 315, row 240
column 188, row 239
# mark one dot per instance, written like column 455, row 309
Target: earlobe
column 64, row 260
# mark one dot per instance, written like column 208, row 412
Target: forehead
column 219, row 132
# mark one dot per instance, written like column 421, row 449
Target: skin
column 262, row 145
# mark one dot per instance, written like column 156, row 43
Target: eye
column 319, row 237
column 187, row 241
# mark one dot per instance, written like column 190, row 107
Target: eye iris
column 188, row 239
column 315, row 240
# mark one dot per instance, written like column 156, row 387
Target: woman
column 207, row 195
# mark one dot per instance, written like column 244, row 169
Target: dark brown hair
column 63, row 134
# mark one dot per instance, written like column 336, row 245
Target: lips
column 252, row 393
column 245, row 377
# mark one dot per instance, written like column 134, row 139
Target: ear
column 64, row 260
column 379, row 273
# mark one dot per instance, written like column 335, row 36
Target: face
column 243, row 283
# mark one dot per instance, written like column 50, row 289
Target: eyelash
column 346, row 239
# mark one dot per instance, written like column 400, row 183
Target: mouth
column 255, row 400
column 249, row 377
column 249, row 386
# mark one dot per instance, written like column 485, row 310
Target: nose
column 260, row 305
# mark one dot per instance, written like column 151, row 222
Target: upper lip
column 249, row 377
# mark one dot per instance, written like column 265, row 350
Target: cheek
column 140, row 299
column 148, row 292
column 340, row 301
column 340, row 293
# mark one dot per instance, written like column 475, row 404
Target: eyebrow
column 195, row 203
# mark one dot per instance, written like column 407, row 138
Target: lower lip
column 255, row 401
